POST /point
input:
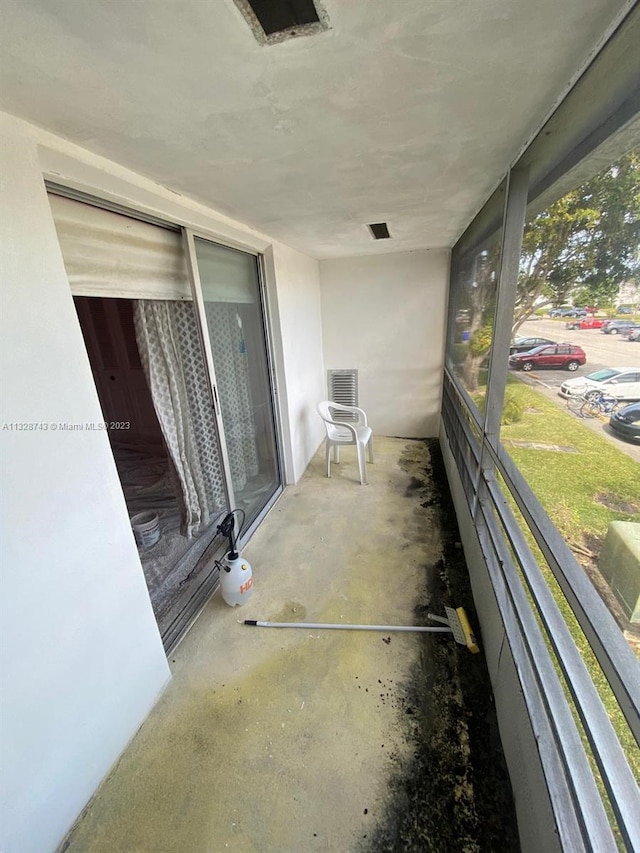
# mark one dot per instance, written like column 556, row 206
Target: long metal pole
column 340, row 627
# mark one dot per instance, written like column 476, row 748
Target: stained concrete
column 295, row 740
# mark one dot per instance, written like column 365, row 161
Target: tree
column 478, row 272
column 588, row 239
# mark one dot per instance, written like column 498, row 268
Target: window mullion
column 515, row 211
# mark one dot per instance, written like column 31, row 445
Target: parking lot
column 601, row 350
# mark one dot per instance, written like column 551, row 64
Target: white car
column 620, row 382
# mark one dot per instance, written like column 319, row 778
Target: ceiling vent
column 273, row 21
column 379, row 231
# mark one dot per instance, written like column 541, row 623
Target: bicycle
column 591, row 404
column 575, row 403
column 597, row 404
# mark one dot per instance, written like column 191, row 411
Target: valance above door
column 108, row 254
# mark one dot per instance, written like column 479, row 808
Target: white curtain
column 169, row 345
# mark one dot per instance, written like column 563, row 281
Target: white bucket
column 146, row 529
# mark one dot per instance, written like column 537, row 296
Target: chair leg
column 362, row 465
column 371, row 450
column 328, row 457
column 336, row 453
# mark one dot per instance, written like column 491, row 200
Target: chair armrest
column 362, row 416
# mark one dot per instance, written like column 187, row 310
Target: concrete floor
column 286, row 740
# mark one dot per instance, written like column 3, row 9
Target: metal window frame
column 573, row 792
column 575, row 800
column 608, row 754
column 604, row 103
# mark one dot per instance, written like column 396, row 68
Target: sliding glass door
column 228, row 297
column 175, row 336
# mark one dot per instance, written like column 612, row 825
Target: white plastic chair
column 341, row 433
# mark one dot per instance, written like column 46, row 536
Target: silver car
column 620, row 382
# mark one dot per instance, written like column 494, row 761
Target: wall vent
column 273, row 21
column 379, row 230
column 342, row 386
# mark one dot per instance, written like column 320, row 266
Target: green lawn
column 583, row 491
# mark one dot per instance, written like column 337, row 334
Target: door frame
column 198, row 303
column 54, row 185
column 188, row 236
column 57, row 185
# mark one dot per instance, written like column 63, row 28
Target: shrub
column 512, row 409
column 481, row 339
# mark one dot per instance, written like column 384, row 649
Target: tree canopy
column 582, row 247
column 586, row 243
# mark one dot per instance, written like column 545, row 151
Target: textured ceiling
column 405, row 112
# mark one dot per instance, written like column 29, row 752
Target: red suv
column 565, row 356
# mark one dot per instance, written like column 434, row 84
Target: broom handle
column 340, row 627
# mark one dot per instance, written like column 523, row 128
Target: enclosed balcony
column 216, row 216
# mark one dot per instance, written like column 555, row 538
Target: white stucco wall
column 300, row 337
column 82, row 662
column 386, row 316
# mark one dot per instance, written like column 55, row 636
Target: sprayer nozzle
column 226, row 525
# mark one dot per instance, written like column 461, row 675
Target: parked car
column 619, row 327
column 522, row 344
column 624, row 309
column 565, row 356
column 620, row 382
column 626, row 422
column 586, row 323
column 568, row 312
column 634, row 335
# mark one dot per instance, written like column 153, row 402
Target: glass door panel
column 233, row 317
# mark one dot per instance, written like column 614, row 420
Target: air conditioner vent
column 343, row 388
column 274, row 21
column 379, row 230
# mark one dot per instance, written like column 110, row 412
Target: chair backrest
column 324, row 411
column 334, row 431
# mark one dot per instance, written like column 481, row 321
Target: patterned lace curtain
column 169, row 345
column 230, row 358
